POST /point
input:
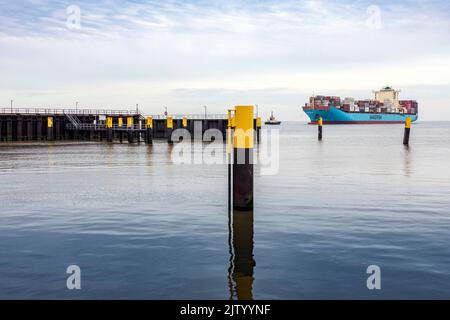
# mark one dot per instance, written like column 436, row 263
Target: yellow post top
column 258, row 122
column 50, row 122
column 120, row 124
column 169, row 123
column 408, row 123
column 109, row 122
column 243, row 134
column 184, row 122
column 149, row 122
column 230, row 119
column 129, row 122
column 320, row 121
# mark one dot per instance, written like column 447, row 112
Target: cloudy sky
column 187, row 54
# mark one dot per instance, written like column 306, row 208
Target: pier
column 39, row 124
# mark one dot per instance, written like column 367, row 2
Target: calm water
column 140, row 226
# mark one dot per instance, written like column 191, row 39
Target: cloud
column 219, row 50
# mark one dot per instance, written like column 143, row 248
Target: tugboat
column 272, row 121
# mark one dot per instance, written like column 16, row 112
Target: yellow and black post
column 320, row 126
column 408, row 122
column 109, row 131
column 243, row 158
column 50, row 128
column 149, row 127
column 169, row 129
column 258, row 130
column 120, row 125
column 130, row 124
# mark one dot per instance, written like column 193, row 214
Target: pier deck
column 36, row 124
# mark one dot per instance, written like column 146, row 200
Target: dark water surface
column 140, row 226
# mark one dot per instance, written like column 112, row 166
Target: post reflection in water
column 240, row 272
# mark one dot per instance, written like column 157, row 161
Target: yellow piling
column 320, row 125
column 49, row 128
column 258, row 130
column 243, row 158
column 169, row 129
column 408, row 122
column 149, row 132
column 109, row 125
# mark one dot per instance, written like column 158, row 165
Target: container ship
column 385, row 108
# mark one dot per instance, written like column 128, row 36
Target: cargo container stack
column 409, row 106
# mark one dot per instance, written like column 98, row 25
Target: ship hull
column 337, row 116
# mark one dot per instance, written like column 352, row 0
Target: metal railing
column 216, row 116
column 102, row 126
column 52, row 111
column 61, row 111
column 73, row 119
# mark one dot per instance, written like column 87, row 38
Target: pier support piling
column 243, row 159
column 50, row 128
column 109, row 129
column 258, row 130
column 320, row 127
column 407, row 133
column 149, row 133
column 19, row 129
column 9, row 133
column 169, row 129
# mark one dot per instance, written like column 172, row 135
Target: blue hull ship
column 386, row 107
column 337, row 116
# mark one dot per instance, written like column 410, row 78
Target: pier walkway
column 28, row 124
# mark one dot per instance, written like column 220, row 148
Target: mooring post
column 407, row 133
column 50, row 128
column 169, row 129
column 258, row 130
column 320, row 125
column 149, row 126
column 120, row 125
column 109, row 126
column 129, row 131
column 243, row 159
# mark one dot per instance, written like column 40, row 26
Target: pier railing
column 58, row 111
column 212, row 116
column 95, row 127
column 50, row 111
